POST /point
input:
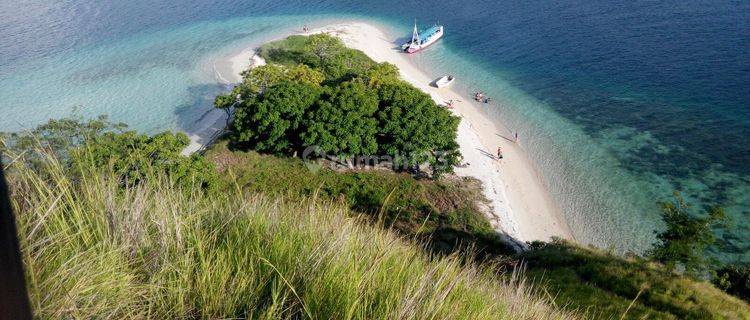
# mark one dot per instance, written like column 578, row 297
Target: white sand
column 521, row 206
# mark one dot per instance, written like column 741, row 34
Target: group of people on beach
column 305, row 29
column 481, row 97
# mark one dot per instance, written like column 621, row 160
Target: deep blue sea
column 619, row 103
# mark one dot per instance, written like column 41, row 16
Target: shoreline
column 520, row 205
column 213, row 122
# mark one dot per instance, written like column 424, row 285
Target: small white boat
column 444, row 81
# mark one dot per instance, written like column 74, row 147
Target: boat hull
column 444, row 81
column 412, row 48
column 422, row 47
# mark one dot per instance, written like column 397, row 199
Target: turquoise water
column 152, row 80
column 618, row 104
column 581, row 174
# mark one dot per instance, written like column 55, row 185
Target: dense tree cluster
column 57, row 136
column 100, row 143
column 132, row 156
column 316, row 92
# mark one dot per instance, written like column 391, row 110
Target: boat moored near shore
column 420, row 40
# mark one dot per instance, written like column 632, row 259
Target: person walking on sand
column 515, row 135
column 499, row 153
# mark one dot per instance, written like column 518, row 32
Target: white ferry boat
column 420, row 40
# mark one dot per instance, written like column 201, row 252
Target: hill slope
column 95, row 248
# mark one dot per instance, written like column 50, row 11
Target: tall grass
column 94, row 248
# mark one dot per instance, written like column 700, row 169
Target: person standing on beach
column 515, row 135
column 499, row 153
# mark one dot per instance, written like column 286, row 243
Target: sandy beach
column 521, row 206
column 212, row 123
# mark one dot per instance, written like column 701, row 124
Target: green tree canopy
column 226, row 102
column 324, row 47
column 365, row 107
column 272, row 122
column 346, row 65
column 57, row 136
column 412, row 124
column 258, row 79
column 686, row 238
column 99, row 142
column 131, row 155
column 381, row 74
column 343, row 122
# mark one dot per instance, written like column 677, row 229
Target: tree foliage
column 132, row 155
column 317, row 92
column 412, row 124
column 686, row 238
column 322, row 52
column 272, row 123
column 258, row 79
column 382, row 74
column 100, row 143
column 324, row 47
column 226, row 103
column 346, row 65
column 343, row 122
column 735, row 280
column 57, row 136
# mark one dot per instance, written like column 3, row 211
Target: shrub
column 131, row 156
column 686, row 238
column 735, row 280
column 627, row 288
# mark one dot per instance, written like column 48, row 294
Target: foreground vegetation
column 169, row 243
column 585, row 280
column 445, row 214
column 95, row 248
column 272, row 239
column 611, row 286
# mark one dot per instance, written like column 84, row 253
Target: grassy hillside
column 445, row 212
column 95, row 248
column 633, row 287
column 163, row 247
column 604, row 285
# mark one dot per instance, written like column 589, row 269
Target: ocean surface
column 619, row 103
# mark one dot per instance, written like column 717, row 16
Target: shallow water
column 619, row 104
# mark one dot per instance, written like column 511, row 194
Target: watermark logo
column 315, row 158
